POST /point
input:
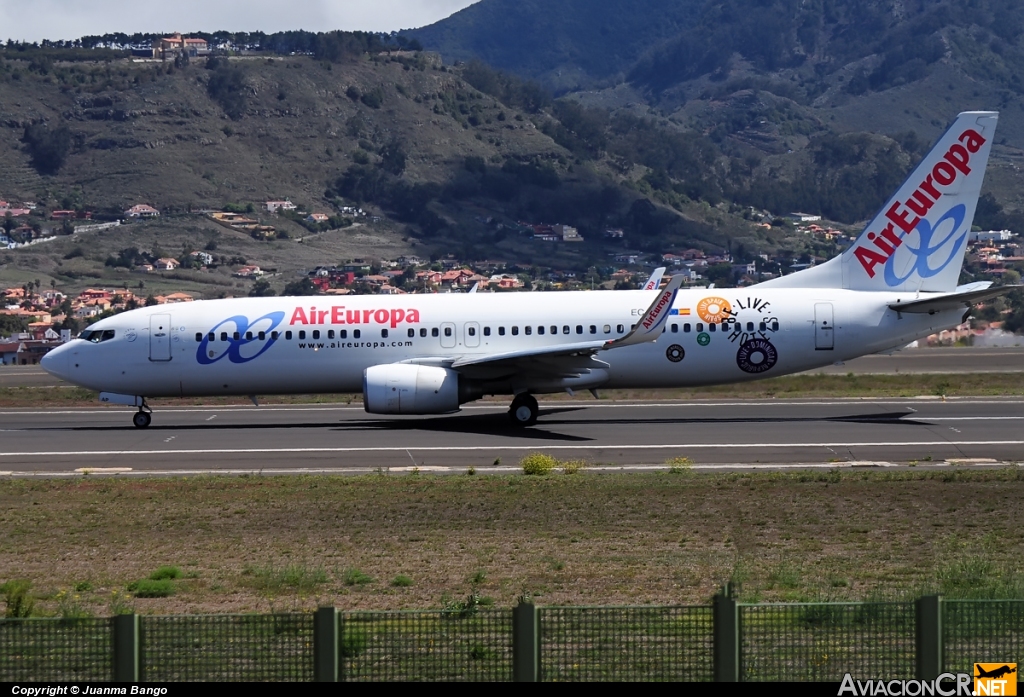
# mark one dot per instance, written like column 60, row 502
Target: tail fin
column 918, row 240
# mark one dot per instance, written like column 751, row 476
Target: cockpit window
column 97, row 336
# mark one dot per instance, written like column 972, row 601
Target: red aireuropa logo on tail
column 905, row 215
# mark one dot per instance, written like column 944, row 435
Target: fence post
column 929, row 637
column 525, row 643
column 325, row 645
column 126, row 648
column 726, row 637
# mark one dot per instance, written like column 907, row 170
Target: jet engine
column 404, row 388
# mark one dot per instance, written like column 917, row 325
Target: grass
column 608, row 538
column 789, row 386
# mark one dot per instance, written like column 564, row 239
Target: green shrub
column 401, row 581
column 19, row 603
column 294, row 576
column 573, row 466
column 83, row 587
column 148, row 588
column 165, row 573
column 538, row 464
column 355, row 577
column 678, row 465
column 353, row 642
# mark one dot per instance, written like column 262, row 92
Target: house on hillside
column 166, row 264
column 249, row 271
column 318, row 218
column 169, row 46
column 275, row 206
column 141, row 210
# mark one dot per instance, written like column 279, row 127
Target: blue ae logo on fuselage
column 246, row 341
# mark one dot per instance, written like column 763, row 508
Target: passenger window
column 356, row 333
column 412, row 333
column 316, row 333
column 302, row 333
column 515, row 331
column 384, row 333
column 288, row 336
column 686, row 328
column 262, row 336
column 593, row 329
column 607, row 329
column 274, row 336
column 447, row 331
column 675, row 328
column 775, row 326
column 540, row 329
column 554, row 329
column 211, row 336
column 700, row 326
column 199, row 336
column 750, row 326
column 487, row 331
column 248, row 336
column 565, row 329
column 579, row 328
column 434, row 332
column 501, row 331
column 762, row 326
column 619, row 328
column 712, row 327
column 330, row 333
column 528, row 329
column 343, row 333
column 223, row 336
column 471, row 331
column 236, row 336
column 423, row 331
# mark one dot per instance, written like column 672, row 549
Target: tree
column 302, row 286
column 48, row 147
column 261, row 289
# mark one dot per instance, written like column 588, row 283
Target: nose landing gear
column 143, row 416
column 523, row 411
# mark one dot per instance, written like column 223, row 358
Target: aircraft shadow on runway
column 498, row 424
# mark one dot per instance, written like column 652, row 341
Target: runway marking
column 492, row 448
column 441, row 469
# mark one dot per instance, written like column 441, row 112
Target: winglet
column 655, row 280
column 650, row 325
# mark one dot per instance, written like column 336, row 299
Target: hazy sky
column 34, row 20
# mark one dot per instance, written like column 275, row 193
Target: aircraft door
column 824, row 332
column 447, row 335
column 160, row 338
column 472, row 338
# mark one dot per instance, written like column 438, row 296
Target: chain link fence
column 982, row 631
column 626, row 643
column 236, row 648
column 55, row 649
column 823, row 641
column 471, row 645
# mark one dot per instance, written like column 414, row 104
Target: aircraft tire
column 524, row 410
column 141, row 419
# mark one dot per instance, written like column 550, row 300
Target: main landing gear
column 143, row 416
column 524, row 409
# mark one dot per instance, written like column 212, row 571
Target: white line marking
column 492, row 448
column 212, row 417
column 100, row 470
column 440, row 469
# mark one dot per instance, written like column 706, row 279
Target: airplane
column 430, row 354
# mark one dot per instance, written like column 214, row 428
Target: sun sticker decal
column 714, row 309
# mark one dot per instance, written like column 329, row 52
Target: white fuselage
column 324, row 343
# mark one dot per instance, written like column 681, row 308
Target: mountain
column 566, row 44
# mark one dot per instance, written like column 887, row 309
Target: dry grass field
column 254, row 543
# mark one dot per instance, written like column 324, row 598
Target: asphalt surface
column 927, row 360
column 337, row 438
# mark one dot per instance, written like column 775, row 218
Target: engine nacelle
column 404, row 388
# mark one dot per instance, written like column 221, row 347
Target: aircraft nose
column 56, row 362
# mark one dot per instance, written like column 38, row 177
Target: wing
column 655, row 280
column 567, row 360
column 951, row 301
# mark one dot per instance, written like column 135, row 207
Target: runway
column 338, row 438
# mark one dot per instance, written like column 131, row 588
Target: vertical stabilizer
column 918, row 239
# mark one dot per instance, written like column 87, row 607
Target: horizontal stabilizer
column 952, row 301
